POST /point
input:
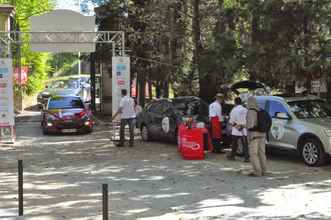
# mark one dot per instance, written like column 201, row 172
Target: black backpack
column 264, row 121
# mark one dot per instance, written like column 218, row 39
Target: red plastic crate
column 193, row 142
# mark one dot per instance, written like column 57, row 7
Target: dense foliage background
column 37, row 62
column 195, row 46
column 198, row 45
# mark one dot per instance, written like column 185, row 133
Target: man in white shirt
column 215, row 117
column 239, row 132
column 128, row 114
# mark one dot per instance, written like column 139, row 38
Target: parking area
column 63, row 177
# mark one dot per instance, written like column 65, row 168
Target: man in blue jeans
column 128, row 114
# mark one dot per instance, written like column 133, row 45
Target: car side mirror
column 282, row 116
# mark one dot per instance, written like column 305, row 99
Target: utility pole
column 79, row 63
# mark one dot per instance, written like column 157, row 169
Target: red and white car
column 66, row 114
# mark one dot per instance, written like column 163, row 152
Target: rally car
column 66, row 114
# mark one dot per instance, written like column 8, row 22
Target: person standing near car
column 128, row 115
column 256, row 137
column 215, row 117
column 238, row 132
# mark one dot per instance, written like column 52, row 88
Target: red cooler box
column 193, row 142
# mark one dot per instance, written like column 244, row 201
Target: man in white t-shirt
column 239, row 132
column 128, row 114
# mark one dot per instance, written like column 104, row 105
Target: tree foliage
column 37, row 62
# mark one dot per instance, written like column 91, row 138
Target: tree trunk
column 150, row 89
column 254, row 35
column 142, row 85
column 165, row 89
column 158, row 89
column 305, row 49
column 203, row 84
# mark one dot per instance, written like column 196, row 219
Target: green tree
column 37, row 62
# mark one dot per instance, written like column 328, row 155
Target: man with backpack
column 258, row 125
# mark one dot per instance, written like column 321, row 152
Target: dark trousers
column 235, row 140
column 125, row 122
column 217, row 146
column 217, row 142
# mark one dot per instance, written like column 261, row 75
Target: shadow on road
column 63, row 178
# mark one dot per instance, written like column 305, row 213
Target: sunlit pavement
column 63, row 177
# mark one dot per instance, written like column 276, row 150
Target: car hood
column 321, row 122
column 60, row 92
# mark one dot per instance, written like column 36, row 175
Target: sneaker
column 119, row 145
column 231, row 158
column 253, row 175
column 267, row 174
column 247, row 161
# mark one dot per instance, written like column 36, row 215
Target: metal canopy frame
column 115, row 38
column 13, row 40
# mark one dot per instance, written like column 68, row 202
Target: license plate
column 69, row 130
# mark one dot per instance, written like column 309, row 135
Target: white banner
column 7, row 116
column 120, row 79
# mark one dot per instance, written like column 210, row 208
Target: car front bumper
column 74, row 127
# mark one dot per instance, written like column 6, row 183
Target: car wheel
column 145, row 135
column 89, row 131
column 312, row 152
column 45, row 132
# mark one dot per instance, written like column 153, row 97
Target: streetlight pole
column 79, row 63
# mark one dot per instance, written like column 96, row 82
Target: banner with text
column 7, row 116
column 120, row 79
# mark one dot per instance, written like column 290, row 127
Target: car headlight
column 328, row 132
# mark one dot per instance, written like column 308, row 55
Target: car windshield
column 65, row 103
column 65, row 84
column 310, row 109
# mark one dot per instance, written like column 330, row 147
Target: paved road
column 63, row 177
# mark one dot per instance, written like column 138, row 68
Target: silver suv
column 300, row 123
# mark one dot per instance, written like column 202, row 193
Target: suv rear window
column 158, row 107
column 188, row 107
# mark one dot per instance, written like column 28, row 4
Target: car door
column 153, row 119
column 282, row 130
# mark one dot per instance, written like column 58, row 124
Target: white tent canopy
column 63, row 31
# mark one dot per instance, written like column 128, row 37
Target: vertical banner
column 7, row 116
column 120, row 79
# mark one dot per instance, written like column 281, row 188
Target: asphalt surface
column 63, row 176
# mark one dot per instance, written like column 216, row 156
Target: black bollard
column 105, row 201
column 20, row 187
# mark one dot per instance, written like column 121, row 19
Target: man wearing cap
column 215, row 117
